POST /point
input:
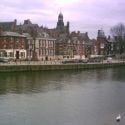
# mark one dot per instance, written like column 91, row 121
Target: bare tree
column 118, row 33
column 118, row 30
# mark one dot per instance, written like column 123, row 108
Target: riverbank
column 58, row 66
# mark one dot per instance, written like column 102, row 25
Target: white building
column 41, row 48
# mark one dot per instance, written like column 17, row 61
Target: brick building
column 101, row 43
column 12, row 45
column 77, row 45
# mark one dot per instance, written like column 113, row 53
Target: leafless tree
column 118, row 30
column 118, row 33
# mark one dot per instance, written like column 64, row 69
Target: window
column 4, row 46
column 5, row 54
column 11, row 54
column 22, row 54
column 102, row 45
column 17, row 40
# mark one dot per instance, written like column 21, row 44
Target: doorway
column 17, row 54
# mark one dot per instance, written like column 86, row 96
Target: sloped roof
column 84, row 36
column 6, row 33
column 26, row 34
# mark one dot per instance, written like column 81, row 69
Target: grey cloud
column 90, row 15
column 22, row 4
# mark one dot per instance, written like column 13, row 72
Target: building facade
column 12, row 45
column 60, row 29
column 77, row 45
column 41, row 48
column 101, row 43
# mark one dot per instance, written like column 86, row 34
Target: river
column 70, row 97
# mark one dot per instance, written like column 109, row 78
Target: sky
column 83, row 15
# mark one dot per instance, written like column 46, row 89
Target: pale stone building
column 41, row 47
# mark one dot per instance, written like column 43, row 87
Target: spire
column 60, row 23
column 60, row 17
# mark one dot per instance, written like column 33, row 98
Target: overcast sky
column 84, row 15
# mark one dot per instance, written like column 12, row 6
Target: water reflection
column 34, row 82
column 91, row 97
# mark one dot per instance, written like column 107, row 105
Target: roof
column 60, row 15
column 26, row 34
column 84, row 36
column 6, row 33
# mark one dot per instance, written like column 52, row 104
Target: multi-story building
column 12, row 45
column 28, row 27
column 77, row 45
column 56, row 43
column 61, row 45
column 82, row 45
column 60, row 28
column 60, row 25
column 41, row 47
column 101, row 43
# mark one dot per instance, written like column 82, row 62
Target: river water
column 91, row 97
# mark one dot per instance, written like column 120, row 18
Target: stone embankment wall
column 18, row 68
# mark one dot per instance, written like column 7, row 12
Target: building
column 60, row 25
column 60, row 28
column 101, row 43
column 41, row 47
column 61, row 47
column 82, row 45
column 28, row 27
column 12, row 45
column 77, row 45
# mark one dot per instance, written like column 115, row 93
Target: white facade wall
column 44, row 48
column 11, row 53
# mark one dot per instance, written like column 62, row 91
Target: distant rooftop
column 12, row 34
column 26, row 34
column 101, row 33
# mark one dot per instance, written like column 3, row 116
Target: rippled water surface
column 91, row 97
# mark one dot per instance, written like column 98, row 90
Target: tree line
column 118, row 34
